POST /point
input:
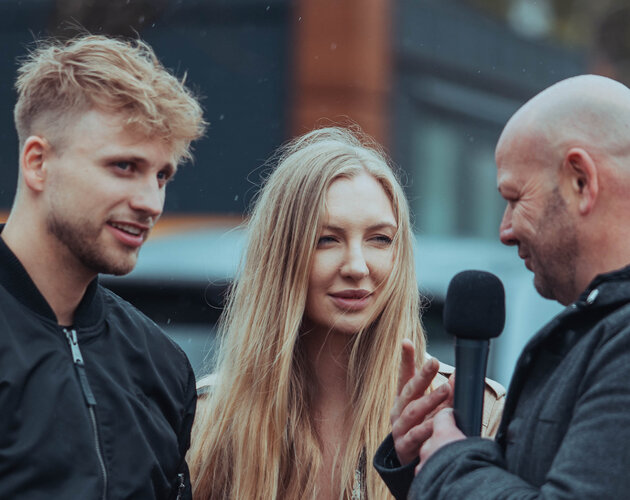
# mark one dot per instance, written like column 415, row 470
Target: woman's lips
column 351, row 300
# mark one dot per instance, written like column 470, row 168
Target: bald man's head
column 563, row 165
column 587, row 110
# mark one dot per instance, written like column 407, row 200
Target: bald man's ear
column 32, row 162
column 581, row 171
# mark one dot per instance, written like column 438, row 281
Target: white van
column 181, row 279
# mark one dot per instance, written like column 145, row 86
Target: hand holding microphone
column 474, row 312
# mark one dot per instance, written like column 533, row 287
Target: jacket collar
column 606, row 289
column 15, row 279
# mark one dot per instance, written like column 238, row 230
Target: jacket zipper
column 77, row 358
column 181, row 487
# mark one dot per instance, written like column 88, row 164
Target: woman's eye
column 382, row 239
column 324, row 240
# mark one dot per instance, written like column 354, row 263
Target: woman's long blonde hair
column 255, row 438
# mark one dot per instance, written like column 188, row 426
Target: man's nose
column 148, row 198
column 355, row 265
column 506, row 232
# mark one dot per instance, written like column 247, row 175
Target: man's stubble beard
column 82, row 241
column 557, row 253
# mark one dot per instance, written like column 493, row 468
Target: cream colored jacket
column 493, row 401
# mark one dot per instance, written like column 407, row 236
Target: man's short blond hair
column 59, row 80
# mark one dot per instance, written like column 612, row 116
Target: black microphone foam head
column 475, row 305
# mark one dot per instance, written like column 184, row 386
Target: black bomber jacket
column 98, row 410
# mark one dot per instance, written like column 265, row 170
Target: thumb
column 443, row 419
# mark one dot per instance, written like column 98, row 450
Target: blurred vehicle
column 181, row 279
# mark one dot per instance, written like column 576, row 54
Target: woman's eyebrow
column 372, row 227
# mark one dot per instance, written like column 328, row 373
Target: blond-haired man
column 96, row 401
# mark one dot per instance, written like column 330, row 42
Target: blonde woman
column 312, row 333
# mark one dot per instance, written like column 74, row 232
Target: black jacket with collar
column 566, row 424
column 116, row 426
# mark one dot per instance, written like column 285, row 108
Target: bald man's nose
column 506, row 232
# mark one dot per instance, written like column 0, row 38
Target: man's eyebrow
column 138, row 159
column 111, row 157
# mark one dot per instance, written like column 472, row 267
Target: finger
column 444, row 421
column 451, row 380
column 415, row 387
column 408, row 447
column 450, row 402
column 444, row 405
column 418, row 410
column 447, row 403
column 407, row 364
column 444, row 432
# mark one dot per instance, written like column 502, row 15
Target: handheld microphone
column 474, row 312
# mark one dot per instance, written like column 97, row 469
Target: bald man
column 564, row 169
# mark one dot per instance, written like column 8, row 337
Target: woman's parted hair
column 286, row 220
column 57, row 80
column 261, row 370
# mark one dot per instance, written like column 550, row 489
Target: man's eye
column 164, row 176
column 123, row 165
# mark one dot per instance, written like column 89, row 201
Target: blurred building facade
column 434, row 81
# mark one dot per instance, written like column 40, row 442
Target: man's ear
column 581, row 171
column 32, row 162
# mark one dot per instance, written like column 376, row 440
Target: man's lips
column 526, row 259
column 130, row 227
column 131, row 234
column 351, row 300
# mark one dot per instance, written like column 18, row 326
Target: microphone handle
column 471, row 357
